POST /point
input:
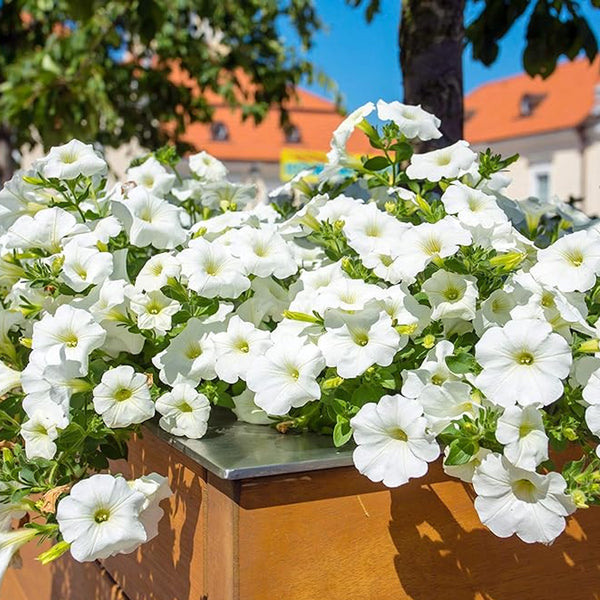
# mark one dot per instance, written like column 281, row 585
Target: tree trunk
column 7, row 164
column 431, row 47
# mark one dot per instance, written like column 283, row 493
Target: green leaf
column 377, row 163
column 462, row 363
column 461, row 452
column 342, row 432
column 367, row 392
column 403, row 151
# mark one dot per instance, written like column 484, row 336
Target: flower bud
column 590, row 346
column 429, row 341
column 579, row 499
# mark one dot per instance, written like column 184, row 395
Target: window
column 542, row 186
column 529, row 102
column 219, row 131
column 540, row 178
column 292, row 135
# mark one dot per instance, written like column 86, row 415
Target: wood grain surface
column 324, row 535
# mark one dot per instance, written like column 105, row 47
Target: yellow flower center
column 101, row 515
column 193, row 351
column 122, row 394
column 398, row 434
column 524, row 489
column 525, row 358
column 452, row 294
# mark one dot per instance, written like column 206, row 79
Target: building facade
column 266, row 152
column 553, row 124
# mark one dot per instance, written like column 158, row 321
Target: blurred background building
column 554, row 125
column 266, row 152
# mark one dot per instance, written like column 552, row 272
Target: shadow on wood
column 323, row 535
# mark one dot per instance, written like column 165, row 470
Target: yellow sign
column 292, row 161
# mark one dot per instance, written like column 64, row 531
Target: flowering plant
column 399, row 299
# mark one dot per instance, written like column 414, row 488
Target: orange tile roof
column 315, row 118
column 566, row 100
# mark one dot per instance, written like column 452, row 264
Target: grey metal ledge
column 235, row 450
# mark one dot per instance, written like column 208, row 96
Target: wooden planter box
column 243, row 527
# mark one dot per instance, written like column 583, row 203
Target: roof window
column 219, row 132
column 529, row 102
column 292, row 135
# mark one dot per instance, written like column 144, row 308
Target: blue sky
column 363, row 58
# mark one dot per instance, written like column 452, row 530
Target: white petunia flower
column 100, row 232
column 122, row 397
column 109, row 303
column 152, row 176
column 392, row 270
column 571, row 263
column 46, row 230
column 191, row 356
column 185, row 411
column 207, row 167
column 150, row 220
column 71, row 331
column 246, row 410
column 370, row 230
column 237, row 348
column 338, row 155
column 9, row 379
column 212, row 270
column 465, row 471
column 591, row 395
column 155, row 488
column 413, row 121
column 18, row 198
column 495, row 310
column 286, row 376
column 428, row 241
column 338, row 209
column 71, row 160
column 344, row 294
column 512, row 500
column 521, row 431
column 41, row 429
column 57, row 383
column 451, row 295
column 10, row 511
column 523, row 363
column 85, row 266
column 562, row 310
column 472, row 207
column 156, row 273
column 11, row 542
column 101, row 517
column 404, row 310
column 269, row 301
column 393, row 444
column 225, row 195
column 154, row 311
column 433, row 370
column 448, row 162
column 444, row 403
column 353, row 342
column 263, row 252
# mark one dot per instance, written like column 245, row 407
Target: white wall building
column 553, row 124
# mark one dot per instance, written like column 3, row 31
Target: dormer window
column 292, row 135
column 529, row 103
column 219, row 132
